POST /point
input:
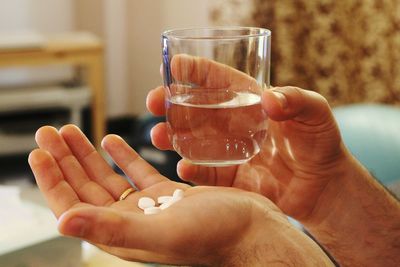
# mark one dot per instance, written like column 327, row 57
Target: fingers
column 58, row 193
column 200, row 175
column 140, row 171
column 93, row 163
column 159, row 137
column 155, row 101
column 99, row 224
column 208, row 73
column 285, row 103
column 87, row 190
column 200, row 71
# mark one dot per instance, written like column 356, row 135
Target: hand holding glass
column 214, row 78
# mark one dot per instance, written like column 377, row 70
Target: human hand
column 302, row 152
column 209, row 226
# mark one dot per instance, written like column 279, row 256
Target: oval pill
column 146, row 202
column 178, row 194
column 163, row 199
column 168, row 204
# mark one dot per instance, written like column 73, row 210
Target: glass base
column 217, row 163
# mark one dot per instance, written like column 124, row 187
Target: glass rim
column 172, row 33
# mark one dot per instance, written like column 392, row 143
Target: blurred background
column 92, row 62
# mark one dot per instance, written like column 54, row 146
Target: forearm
column 357, row 220
column 279, row 244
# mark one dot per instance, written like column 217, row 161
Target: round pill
column 146, row 202
column 152, row 210
column 163, row 199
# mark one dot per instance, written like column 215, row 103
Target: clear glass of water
column 214, row 78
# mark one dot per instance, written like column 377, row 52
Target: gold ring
column 126, row 193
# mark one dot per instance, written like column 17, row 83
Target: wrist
column 271, row 240
column 356, row 219
column 336, row 192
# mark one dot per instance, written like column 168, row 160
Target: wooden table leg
column 95, row 74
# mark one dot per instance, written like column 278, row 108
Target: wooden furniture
column 81, row 50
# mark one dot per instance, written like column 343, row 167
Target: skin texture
column 304, row 168
column 210, row 226
column 234, row 217
column 299, row 157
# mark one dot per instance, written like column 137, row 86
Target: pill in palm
column 168, row 204
column 178, row 194
column 163, row 199
column 152, row 210
column 148, row 205
column 146, row 202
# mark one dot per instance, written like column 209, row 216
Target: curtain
column 349, row 51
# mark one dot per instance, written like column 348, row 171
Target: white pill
column 146, row 202
column 152, row 210
column 178, row 194
column 167, row 204
column 163, row 199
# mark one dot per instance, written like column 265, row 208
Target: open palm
column 83, row 192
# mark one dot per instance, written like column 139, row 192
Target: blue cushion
column 372, row 134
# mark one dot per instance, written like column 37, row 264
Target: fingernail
column 179, row 167
column 75, row 227
column 281, row 98
column 151, row 133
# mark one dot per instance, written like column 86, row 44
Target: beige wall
column 46, row 16
column 88, row 15
column 131, row 32
column 146, row 21
column 144, row 26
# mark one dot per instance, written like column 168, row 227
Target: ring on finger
column 126, row 193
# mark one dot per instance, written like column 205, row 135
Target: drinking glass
column 213, row 79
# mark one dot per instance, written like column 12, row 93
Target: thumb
column 292, row 103
column 106, row 226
